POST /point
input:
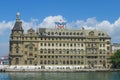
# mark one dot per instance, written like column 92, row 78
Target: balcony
column 16, row 54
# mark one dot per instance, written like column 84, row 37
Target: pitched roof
column 18, row 26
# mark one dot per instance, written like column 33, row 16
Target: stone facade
column 59, row 47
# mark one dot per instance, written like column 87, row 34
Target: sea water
column 60, row 76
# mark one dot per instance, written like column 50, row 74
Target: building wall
column 74, row 48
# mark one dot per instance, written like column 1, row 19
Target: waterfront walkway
column 6, row 68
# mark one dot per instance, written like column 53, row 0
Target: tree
column 115, row 59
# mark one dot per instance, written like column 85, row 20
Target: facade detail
column 59, row 48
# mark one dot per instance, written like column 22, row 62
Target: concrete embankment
column 69, row 70
column 6, row 68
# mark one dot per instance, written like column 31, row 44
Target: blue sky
column 100, row 14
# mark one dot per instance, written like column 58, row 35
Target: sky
column 90, row 14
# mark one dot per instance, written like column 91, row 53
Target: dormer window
column 103, row 34
column 91, row 33
column 48, row 33
column 74, row 33
column 99, row 34
column 52, row 33
column 67, row 33
column 31, row 31
column 81, row 34
column 56, row 33
column 59, row 33
column 63, row 33
column 77, row 33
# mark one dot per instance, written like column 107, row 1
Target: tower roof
column 18, row 23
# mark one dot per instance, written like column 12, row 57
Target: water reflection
column 61, row 76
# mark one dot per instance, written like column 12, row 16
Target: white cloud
column 5, row 25
column 49, row 22
column 32, row 24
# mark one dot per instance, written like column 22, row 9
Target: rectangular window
column 71, row 45
column 108, row 48
column 48, row 51
column 17, row 61
column 53, row 51
column 48, row 56
column 41, row 44
column 35, row 49
column 17, row 50
column 64, row 45
column 25, row 52
column 48, row 44
column 75, row 44
column 25, row 62
column 81, row 45
column 56, row 44
column 30, row 62
column 41, row 62
column 44, row 56
column 30, row 54
column 60, row 44
column 78, row 62
column 41, row 51
column 26, row 46
column 44, row 44
column 67, row 44
column 30, row 38
column 41, row 56
column 31, row 48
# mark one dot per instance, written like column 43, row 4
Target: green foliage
column 115, row 59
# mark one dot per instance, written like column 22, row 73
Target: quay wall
column 39, row 69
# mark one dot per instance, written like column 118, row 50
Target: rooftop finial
column 17, row 16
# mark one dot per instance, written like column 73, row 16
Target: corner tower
column 16, row 43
